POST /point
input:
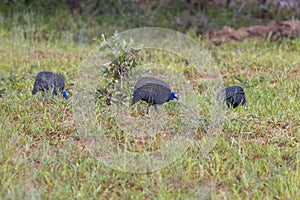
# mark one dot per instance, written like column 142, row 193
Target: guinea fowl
column 49, row 81
column 153, row 91
column 234, row 96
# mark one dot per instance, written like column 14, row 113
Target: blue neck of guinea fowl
column 173, row 96
column 65, row 94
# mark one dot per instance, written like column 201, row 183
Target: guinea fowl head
column 65, row 94
column 174, row 95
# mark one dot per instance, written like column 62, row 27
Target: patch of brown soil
column 274, row 30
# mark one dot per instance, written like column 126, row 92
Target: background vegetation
column 41, row 155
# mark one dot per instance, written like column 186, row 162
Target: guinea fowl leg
column 155, row 107
column 150, row 102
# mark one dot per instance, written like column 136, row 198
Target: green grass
column 257, row 157
column 43, row 156
column 51, row 21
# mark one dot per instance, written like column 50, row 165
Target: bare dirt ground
column 274, row 30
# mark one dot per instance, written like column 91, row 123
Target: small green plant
column 124, row 59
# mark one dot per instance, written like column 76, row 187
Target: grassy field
column 255, row 157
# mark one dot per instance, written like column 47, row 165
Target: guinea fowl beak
column 176, row 96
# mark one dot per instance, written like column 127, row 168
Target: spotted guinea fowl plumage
column 234, row 96
column 49, row 81
column 152, row 90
